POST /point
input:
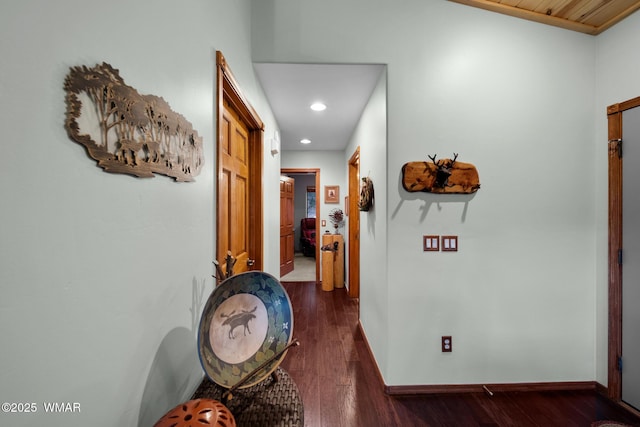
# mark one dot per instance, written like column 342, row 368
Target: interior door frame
column 614, row 119
column 354, row 224
column 284, row 218
column 316, row 171
column 227, row 89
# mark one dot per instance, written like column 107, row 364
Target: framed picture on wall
column 332, row 194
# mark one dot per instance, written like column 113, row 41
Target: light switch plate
column 430, row 243
column 449, row 243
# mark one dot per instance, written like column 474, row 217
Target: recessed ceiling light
column 318, row 106
column 305, row 141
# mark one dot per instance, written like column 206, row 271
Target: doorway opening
column 306, row 248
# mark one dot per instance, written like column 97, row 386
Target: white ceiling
column 292, row 88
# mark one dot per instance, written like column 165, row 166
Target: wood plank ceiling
column 586, row 16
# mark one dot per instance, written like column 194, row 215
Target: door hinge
column 618, row 146
column 619, row 256
column 620, row 363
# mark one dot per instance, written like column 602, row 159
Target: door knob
column 251, row 262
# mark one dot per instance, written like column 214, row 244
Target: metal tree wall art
column 440, row 176
column 127, row 132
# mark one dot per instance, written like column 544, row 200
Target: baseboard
column 375, row 362
column 629, row 408
column 604, row 392
column 399, row 390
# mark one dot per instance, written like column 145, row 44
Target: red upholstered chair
column 308, row 236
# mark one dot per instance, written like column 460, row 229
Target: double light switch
column 434, row 243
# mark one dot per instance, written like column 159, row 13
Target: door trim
column 287, row 224
column 227, row 89
column 614, row 118
column 285, row 171
column 354, row 224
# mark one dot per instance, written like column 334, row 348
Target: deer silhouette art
column 240, row 319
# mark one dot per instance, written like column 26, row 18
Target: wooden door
column 354, row 225
column 286, row 225
column 233, row 184
column 316, row 173
column 239, row 225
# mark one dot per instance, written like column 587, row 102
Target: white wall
column 617, row 80
column 371, row 136
column 331, row 165
column 519, row 296
column 103, row 276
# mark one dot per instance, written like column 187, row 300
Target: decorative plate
column 247, row 319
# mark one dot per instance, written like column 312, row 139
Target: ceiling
column 292, row 88
column 585, row 16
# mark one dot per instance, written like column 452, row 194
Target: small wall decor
column 332, row 194
column 366, row 195
column 127, row 132
column 336, row 216
column 440, row 176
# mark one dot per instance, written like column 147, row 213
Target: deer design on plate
column 240, row 319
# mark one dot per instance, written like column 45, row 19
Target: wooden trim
column 602, row 390
column 228, row 89
column 627, row 105
column 615, row 244
column 256, row 214
column 494, row 388
column 317, row 173
column 543, row 18
column 373, row 358
column 353, row 235
column 614, row 132
column 234, row 94
column 531, row 16
column 401, row 390
column 629, row 408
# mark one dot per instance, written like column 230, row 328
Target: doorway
column 624, row 256
column 306, row 258
column 239, row 147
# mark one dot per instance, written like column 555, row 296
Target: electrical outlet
column 446, row 344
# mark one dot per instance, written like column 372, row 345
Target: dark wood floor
column 340, row 387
